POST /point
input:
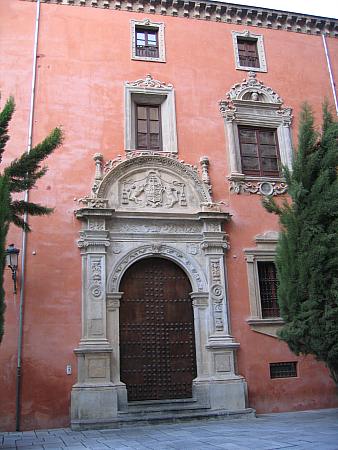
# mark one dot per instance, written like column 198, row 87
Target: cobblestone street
column 300, row 430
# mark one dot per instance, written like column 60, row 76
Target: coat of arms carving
column 153, row 191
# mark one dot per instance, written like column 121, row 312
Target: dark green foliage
column 19, row 176
column 5, row 117
column 307, row 252
column 4, row 224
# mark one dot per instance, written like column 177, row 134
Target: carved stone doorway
column 157, row 340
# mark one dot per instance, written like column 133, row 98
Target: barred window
column 283, row 369
column 268, row 288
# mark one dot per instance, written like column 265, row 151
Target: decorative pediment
column 252, row 98
column 148, row 182
column 254, row 90
column 149, row 82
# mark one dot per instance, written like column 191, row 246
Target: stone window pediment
column 251, row 104
column 148, row 91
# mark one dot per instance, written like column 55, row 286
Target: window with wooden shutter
column 148, row 127
column 268, row 288
column 259, row 151
column 247, row 52
column 147, row 43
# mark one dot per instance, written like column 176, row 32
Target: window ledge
column 251, row 69
column 246, row 184
column 149, row 58
column 269, row 326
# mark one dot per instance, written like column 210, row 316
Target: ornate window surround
column 251, row 103
column 157, row 26
column 265, row 250
column 149, row 91
column 260, row 50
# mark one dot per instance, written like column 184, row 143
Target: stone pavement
column 299, row 430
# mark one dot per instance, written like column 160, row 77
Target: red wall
column 83, row 62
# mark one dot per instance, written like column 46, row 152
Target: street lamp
column 12, row 254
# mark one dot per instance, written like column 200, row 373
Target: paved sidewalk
column 302, row 430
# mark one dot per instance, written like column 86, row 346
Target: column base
column 228, row 394
column 92, row 404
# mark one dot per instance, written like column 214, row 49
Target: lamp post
column 12, row 254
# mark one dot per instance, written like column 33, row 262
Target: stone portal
column 153, row 209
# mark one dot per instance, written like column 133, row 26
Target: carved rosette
column 258, row 187
column 217, row 296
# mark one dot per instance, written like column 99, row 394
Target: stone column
column 93, row 398
column 113, row 333
column 226, row 390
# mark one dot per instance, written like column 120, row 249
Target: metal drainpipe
column 24, row 233
column 333, row 85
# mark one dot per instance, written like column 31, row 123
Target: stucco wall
column 83, row 62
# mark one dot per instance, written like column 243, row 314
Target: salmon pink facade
column 177, row 117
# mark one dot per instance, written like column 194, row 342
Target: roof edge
column 217, row 12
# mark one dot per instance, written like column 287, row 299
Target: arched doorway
column 157, row 340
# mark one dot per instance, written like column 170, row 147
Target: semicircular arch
column 153, row 181
column 188, row 265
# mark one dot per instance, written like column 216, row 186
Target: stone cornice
column 218, row 12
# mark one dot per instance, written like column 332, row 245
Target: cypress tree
column 307, row 252
column 20, row 175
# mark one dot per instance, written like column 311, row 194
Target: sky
column 324, row 8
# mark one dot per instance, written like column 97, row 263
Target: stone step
column 125, row 419
column 163, row 405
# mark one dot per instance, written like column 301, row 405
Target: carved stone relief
column 153, row 227
column 215, row 270
column 154, row 191
column 198, row 281
column 152, row 181
column 217, row 301
column 96, row 283
column 96, row 224
column 258, row 187
column 193, row 249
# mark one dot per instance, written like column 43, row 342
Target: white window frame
column 156, row 26
column 260, row 50
column 253, row 104
column 265, row 250
column 151, row 92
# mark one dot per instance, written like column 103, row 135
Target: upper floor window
column 149, row 115
column 147, row 40
column 249, row 51
column 258, row 138
column 259, row 151
column 148, row 127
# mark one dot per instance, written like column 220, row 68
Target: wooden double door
column 157, row 341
